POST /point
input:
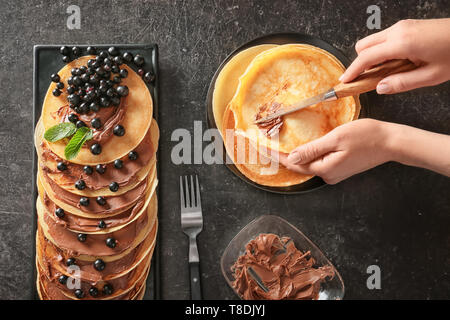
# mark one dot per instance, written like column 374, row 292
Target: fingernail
column 294, row 157
column 341, row 77
column 383, row 88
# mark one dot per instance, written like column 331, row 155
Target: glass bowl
column 330, row 289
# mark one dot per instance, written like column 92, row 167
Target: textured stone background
column 395, row 216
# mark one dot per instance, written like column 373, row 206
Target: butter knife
column 366, row 81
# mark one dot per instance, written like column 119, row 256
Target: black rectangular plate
column 48, row 60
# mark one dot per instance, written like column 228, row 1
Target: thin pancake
column 137, row 119
column 287, row 74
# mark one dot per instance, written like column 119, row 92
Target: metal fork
column 192, row 225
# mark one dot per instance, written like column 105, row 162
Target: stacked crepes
column 266, row 78
column 97, row 242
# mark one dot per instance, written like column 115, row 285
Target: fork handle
column 194, row 269
column 196, row 290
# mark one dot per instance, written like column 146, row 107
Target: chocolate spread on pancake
column 285, row 271
column 109, row 117
column 271, row 127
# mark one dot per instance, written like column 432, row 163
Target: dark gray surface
column 394, row 216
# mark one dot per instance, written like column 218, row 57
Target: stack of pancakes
column 101, row 250
column 261, row 77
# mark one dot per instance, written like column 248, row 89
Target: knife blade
column 325, row 96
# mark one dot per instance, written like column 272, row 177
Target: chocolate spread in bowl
column 285, row 271
column 271, row 127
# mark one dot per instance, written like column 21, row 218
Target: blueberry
column 101, row 200
column 66, row 59
column 111, row 242
column 79, row 294
column 99, row 265
column 118, row 60
column 118, row 164
column 117, row 79
column 140, row 72
column 108, row 62
column 55, row 77
column 85, row 78
column 111, row 92
column 60, row 85
column 115, row 101
column 74, row 99
column 80, row 185
column 83, row 69
column 80, row 124
column 94, row 80
column 115, row 69
column 84, row 108
column 133, row 155
column 64, row 50
column 100, row 169
column 103, row 54
column 94, row 107
column 139, row 60
column 56, row 92
column 70, row 90
column 77, row 81
column 122, row 91
column 61, row 166
column 113, row 186
column 96, row 149
column 96, row 123
column 84, row 201
column 93, row 291
column 104, row 102
column 149, row 77
column 88, row 170
column 123, row 73
column 127, row 56
column 102, row 224
column 119, row 130
column 107, row 289
column 113, row 51
column 76, row 51
column 63, row 279
column 59, row 213
column 100, row 71
column 91, row 50
column 70, row 262
column 82, row 237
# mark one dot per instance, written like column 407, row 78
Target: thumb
column 311, row 150
column 404, row 81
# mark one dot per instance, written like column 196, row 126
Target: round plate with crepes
column 276, row 71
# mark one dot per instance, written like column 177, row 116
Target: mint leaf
column 60, row 131
column 82, row 135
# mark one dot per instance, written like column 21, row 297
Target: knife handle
column 368, row 80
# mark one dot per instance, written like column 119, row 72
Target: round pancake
column 59, row 177
column 228, row 79
column 287, row 74
column 137, row 119
column 44, row 185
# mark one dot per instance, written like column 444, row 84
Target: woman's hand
column 363, row 144
column 424, row 42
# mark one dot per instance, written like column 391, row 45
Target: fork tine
column 188, row 195
column 194, row 204
column 197, row 186
column 182, row 200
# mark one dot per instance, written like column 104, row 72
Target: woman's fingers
column 371, row 40
column 368, row 58
column 400, row 82
column 312, row 150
